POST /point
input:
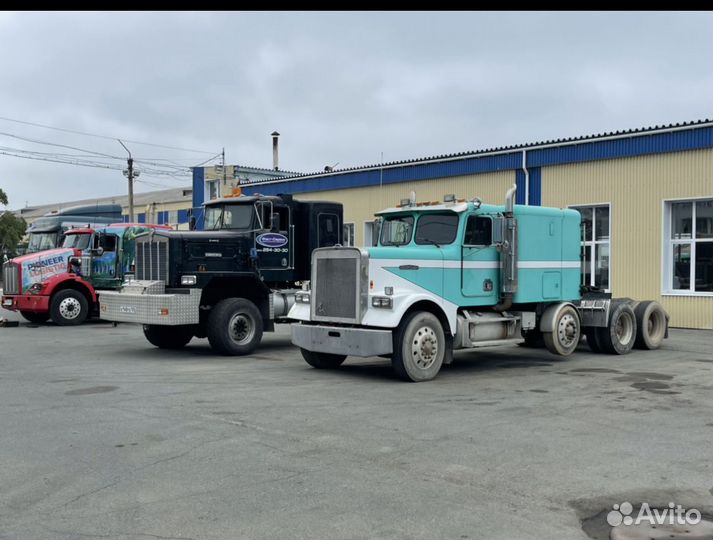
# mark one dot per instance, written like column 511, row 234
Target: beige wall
column 636, row 188
column 360, row 204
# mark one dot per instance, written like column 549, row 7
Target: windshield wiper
column 428, row 241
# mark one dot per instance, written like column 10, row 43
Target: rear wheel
column 234, row 327
column 168, row 337
column 650, row 325
column 322, row 360
column 34, row 317
column 619, row 336
column 69, row 308
column 564, row 338
column 419, row 347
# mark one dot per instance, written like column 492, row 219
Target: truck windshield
column 42, row 241
column 396, row 230
column 232, row 216
column 439, row 229
column 76, row 241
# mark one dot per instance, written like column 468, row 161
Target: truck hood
column 38, row 267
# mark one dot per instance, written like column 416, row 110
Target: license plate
column 127, row 309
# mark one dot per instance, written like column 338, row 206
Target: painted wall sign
column 271, row 240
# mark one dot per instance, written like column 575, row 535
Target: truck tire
column 69, row 308
column 167, row 337
column 650, row 325
column 35, row 317
column 234, row 327
column 321, row 360
column 419, row 347
column 567, row 331
column 593, row 340
column 619, row 335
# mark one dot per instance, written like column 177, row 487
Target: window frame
column 349, row 226
column 319, row 228
column 593, row 243
column 667, row 243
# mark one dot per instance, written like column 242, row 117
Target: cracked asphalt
column 103, row 436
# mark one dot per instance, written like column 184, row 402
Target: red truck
column 61, row 283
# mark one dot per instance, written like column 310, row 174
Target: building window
column 348, row 234
column 172, row 217
column 212, row 189
column 688, row 253
column 369, row 237
column 595, row 245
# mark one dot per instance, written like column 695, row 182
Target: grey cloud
column 340, row 87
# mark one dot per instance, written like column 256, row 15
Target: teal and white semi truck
column 459, row 275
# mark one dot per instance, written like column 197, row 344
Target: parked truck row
column 444, row 276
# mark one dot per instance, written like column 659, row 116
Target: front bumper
column 148, row 308
column 26, row 302
column 340, row 340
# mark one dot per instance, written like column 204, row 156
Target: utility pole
column 130, row 173
column 225, row 179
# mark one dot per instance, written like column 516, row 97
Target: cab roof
column 243, row 199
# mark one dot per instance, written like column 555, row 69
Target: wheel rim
column 624, row 328
column 70, row 308
column 567, row 331
column 424, row 347
column 241, row 328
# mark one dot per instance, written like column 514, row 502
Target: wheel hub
column 69, row 308
column 567, row 330
column 424, row 347
column 241, row 328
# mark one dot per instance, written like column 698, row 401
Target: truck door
column 274, row 244
column 480, row 274
column 104, row 265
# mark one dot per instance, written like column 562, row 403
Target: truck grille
column 336, row 285
column 10, row 278
column 152, row 259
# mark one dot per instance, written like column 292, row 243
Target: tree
column 12, row 229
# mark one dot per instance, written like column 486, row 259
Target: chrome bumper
column 339, row 340
column 136, row 304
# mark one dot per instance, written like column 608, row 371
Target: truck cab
column 454, row 275
column 47, row 232
column 229, row 282
column 62, row 283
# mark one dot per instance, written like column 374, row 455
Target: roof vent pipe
column 275, row 163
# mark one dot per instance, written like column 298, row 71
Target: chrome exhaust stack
column 508, row 253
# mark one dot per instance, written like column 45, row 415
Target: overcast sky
column 341, row 88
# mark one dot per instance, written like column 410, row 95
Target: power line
column 102, row 136
column 37, row 141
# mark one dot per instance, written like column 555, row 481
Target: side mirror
column 498, row 230
column 376, row 233
column 192, row 223
column 98, row 251
column 274, row 222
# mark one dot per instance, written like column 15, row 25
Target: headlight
column 188, row 280
column 302, row 298
column 381, row 302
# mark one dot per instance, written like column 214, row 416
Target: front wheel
column 234, row 327
column 167, row 337
column 419, row 347
column 321, row 360
column 563, row 340
column 69, row 308
column 35, row 317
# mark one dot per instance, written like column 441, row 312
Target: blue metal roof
column 633, row 142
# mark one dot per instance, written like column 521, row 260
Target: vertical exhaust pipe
column 508, row 253
column 275, row 162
